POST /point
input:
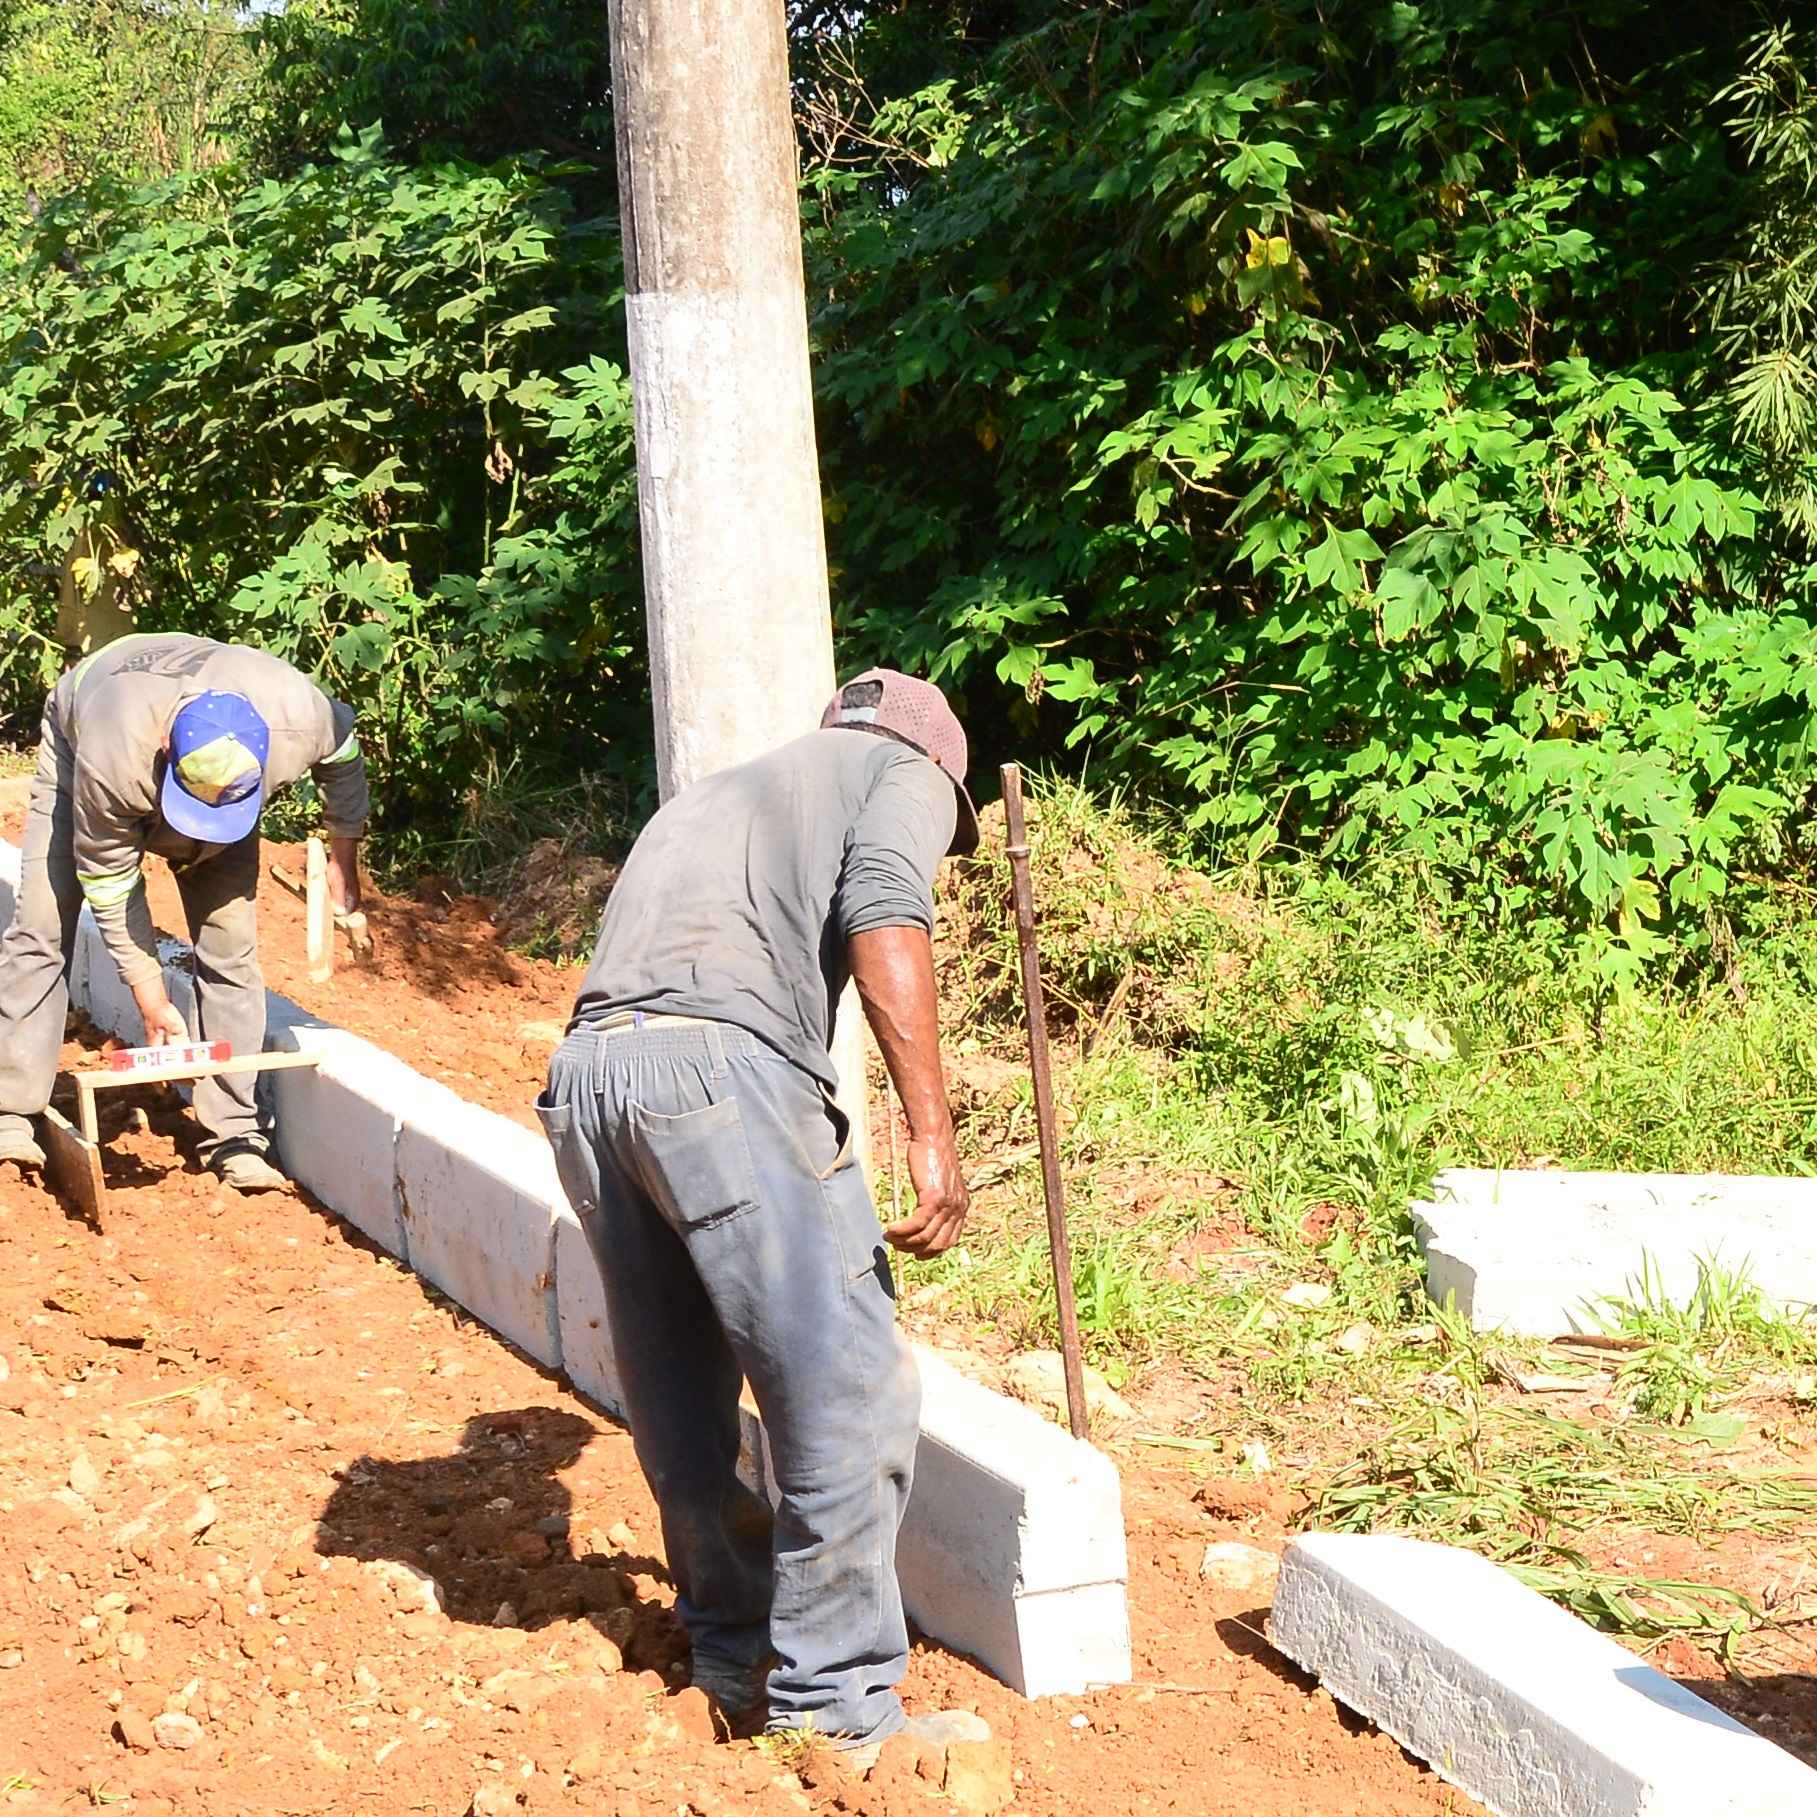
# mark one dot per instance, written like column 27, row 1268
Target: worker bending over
column 167, row 744
column 692, row 1115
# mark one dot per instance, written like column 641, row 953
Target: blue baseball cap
column 214, row 783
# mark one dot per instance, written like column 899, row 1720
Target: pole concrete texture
column 728, row 474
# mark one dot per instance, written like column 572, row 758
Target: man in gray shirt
column 170, row 744
column 692, row 1116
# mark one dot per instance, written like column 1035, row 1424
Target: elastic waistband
column 594, row 1044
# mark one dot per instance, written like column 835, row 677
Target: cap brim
column 965, row 834
column 224, row 825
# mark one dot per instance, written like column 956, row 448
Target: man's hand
column 941, row 1200
column 163, row 1025
column 344, row 895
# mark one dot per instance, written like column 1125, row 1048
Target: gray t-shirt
column 739, row 896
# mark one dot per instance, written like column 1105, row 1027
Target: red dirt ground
column 226, row 1428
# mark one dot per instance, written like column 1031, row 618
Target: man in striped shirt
column 170, row 744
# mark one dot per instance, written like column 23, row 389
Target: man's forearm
column 130, row 939
column 894, row 971
column 893, row 968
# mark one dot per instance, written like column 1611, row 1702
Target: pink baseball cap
column 916, row 714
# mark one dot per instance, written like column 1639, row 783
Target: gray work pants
column 736, row 1238
column 218, row 893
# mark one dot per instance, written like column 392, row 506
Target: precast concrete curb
column 1541, row 1251
column 1013, row 1546
column 1518, row 1703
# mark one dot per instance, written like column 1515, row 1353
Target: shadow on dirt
column 1246, row 1636
column 491, row 1524
column 1782, row 1706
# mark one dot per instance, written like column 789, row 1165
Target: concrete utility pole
column 728, row 475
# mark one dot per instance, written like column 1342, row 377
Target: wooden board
column 74, row 1166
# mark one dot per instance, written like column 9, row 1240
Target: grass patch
column 1691, row 1357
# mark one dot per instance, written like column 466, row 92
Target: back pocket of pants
column 575, row 1167
column 697, row 1165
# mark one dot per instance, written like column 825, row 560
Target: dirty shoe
column 17, row 1146
column 740, row 1691
column 247, row 1170
column 939, row 1730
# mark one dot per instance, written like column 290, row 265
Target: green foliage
column 472, row 78
column 117, row 88
column 354, row 417
column 1333, row 1043
column 1693, row 1355
column 1763, row 303
column 1371, row 429
column 1282, row 406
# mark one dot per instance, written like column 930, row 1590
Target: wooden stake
column 319, row 915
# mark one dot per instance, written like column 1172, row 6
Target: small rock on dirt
column 175, row 1731
column 135, row 1730
column 527, row 1548
column 494, row 1801
column 84, row 1478
column 590, row 1762
column 1306, row 1295
column 1228, row 1564
column 1039, row 1377
column 978, row 1775
column 694, row 1714
column 408, row 1584
column 11, row 1660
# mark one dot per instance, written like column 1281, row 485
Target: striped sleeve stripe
column 110, row 889
column 348, row 750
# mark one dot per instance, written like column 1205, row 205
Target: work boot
column 741, row 1692
column 939, row 1730
column 247, row 1169
column 18, row 1146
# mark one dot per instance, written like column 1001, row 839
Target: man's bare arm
column 893, row 968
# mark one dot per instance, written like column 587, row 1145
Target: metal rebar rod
column 1052, row 1185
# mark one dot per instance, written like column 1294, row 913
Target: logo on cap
column 214, row 785
column 221, row 770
